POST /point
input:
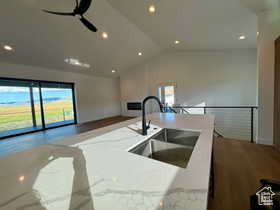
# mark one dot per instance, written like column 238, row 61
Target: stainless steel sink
column 182, row 137
column 169, row 146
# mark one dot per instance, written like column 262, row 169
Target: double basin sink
column 170, row 146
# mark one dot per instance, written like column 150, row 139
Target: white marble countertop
column 94, row 170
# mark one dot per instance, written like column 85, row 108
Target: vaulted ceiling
column 199, row 25
column 45, row 40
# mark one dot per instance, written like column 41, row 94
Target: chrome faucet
column 145, row 127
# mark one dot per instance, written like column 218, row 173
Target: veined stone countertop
column 94, row 170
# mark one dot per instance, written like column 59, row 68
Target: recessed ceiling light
column 7, row 47
column 76, row 62
column 177, row 42
column 113, row 71
column 140, row 54
column 152, row 8
column 21, row 178
column 104, row 35
column 242, row 37
column 258, row 33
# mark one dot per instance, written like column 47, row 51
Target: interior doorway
column 166, row 94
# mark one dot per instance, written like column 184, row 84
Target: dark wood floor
column 238, row 168
column 23, row 142
column 100, row 123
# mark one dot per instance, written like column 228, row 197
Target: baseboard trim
column 264, row 142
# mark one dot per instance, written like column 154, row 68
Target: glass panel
column 58, row 106
column 56, row 85
column 17, row 83
column 159, row 94
column 169, row 95
column 20, row 105
column 37, row 106
column 17, row 112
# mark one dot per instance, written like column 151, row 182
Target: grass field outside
column 20, row 116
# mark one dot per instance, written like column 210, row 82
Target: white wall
column 217, row 78
column 269, row 31
column 96, row 97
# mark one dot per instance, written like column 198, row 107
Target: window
column 166, row 93
column 57, row 104
column 27, row 106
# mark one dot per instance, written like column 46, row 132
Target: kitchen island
column 97, row 170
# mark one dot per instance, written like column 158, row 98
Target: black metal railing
column 231, row 121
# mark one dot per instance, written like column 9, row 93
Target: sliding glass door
column 57, row 104
column 27, row 106
column 19, row 108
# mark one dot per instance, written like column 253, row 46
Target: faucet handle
column 149, row 123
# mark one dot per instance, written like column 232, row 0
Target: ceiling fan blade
column 60, row 13
column 84, row 6
column 89, row 25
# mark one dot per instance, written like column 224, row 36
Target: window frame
column 72, row 87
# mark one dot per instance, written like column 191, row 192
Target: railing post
column 252, row 125
column 204, row 110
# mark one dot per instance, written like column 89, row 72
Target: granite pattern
column 96, row 171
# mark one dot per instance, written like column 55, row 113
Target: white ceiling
column 45, row 40
column 260, row 5
column 199, row 25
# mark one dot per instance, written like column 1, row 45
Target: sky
column 24, row 89
column 13, row 89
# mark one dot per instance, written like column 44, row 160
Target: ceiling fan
column 80, row 9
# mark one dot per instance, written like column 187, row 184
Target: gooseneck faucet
column 145, row 127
